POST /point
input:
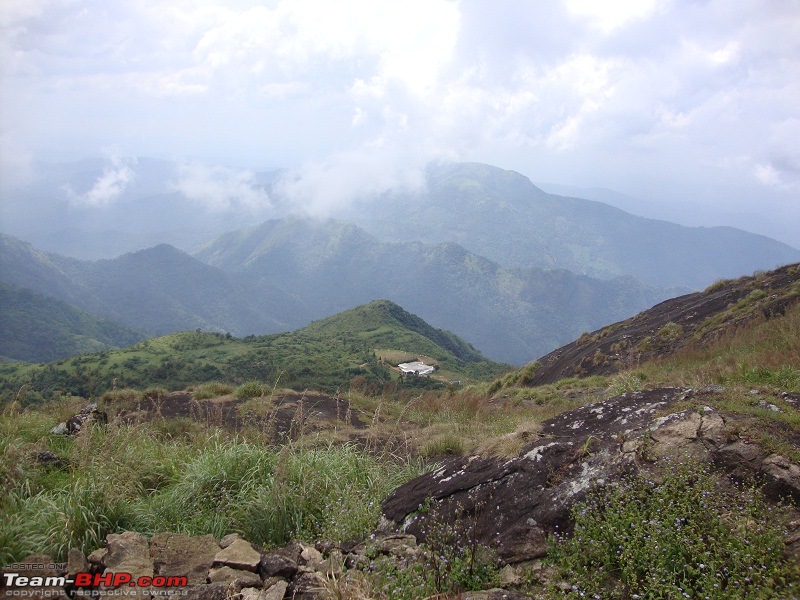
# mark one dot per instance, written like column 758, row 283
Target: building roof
column 416, row 367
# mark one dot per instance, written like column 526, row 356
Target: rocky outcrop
column 671, row 325
column 77, row 422
column 515, row 504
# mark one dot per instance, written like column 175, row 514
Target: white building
column 416, row 368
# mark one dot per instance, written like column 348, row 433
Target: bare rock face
column 513, row 505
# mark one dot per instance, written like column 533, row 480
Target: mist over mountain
column 102, row 209
column 160, row 290
column 284, row 273
column 501, row 215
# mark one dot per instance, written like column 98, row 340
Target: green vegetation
column 132, row 477
column 452, row 561
column 331, row 354
column 672, row 530
column 683, row 534
column 765, row 352
column 39, row 329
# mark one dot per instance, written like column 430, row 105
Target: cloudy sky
column 687, row 104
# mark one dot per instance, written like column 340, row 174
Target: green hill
column 38, row 329
column 327, row 355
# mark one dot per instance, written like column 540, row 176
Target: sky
column 691, row 107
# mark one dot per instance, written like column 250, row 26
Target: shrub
column 683, row 536
column 155, row 393
column 211, row 389
column 451, row 561
column 251, row 389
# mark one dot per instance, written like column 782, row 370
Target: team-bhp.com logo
column 114, row 584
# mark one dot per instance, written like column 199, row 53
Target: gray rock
column 76, row 562
column 277, row 565
column 213, row 591
column 275, row 592
column 309, row 585
column 229, row 539
column 97, row 557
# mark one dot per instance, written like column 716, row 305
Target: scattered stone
column 276, row 592
column 309, row 585
column 509, row 576
column 240, row 554
column 302, row 553
column 764, row 404
column 88, row 414
column 98, row 557
column 211, row 591
column 129, row 552
column 48, row 458
column 712, row 389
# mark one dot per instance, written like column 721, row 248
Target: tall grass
column 763, row 352
column 130, row 477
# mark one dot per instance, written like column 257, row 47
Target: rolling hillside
column 326, row 355
column 160, row 290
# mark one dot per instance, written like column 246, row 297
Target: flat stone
column 229, row 539
column 239, row 555
column 275, row 592
column 277, row 565
column 175, row 554
column 239, row 578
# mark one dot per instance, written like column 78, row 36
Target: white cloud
column 611, row 14
column 321, row 188
column 108, row 187
column 217, row 188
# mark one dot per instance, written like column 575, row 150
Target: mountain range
column 477, row 250
column 282, row 274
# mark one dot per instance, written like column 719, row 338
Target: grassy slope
column 325, row 355
column 40, row 329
